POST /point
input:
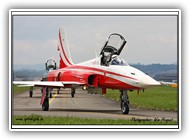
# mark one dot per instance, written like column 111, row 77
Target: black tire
column 31, row 94
column 72, row 95
column 124, row 107
column 45, row 105
column 50, row 95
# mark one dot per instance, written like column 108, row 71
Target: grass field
column 157, row 98
column 17, row 89
column 41, row 120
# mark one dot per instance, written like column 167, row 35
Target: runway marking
column 53, row 98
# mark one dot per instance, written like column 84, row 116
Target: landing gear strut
column 124, row 102
column 45, row 99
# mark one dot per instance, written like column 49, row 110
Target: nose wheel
column 124, row 102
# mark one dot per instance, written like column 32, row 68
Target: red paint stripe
column 63, row 49
column 100, row 70
column 61, row 63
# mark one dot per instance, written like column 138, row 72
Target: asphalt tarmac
column 83, row 105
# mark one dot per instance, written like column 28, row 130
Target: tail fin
column 63, row 50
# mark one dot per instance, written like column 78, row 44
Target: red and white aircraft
column 107, row 71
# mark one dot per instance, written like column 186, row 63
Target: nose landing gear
column 124, row 102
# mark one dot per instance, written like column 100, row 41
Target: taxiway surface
column 83, row 105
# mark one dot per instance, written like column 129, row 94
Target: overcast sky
column 150, row 39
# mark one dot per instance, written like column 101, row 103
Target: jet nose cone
column 148, row 81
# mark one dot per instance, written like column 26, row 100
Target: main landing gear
column 73, row 92
column 45, row 99
column 31, row 92
column 124, row 102
column 46, row 94
column 50, row 93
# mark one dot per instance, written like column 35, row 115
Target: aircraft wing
column 46, row 83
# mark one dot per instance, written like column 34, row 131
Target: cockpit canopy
column 118, row 61
column 113, row 47
column 50, row 65
column 114, row 44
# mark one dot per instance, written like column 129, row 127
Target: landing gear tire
column 45, row 105
column 124, row 102
column 50, row 95
column 30, row 94
column 124, row 107
column 72, row 93
column 45, row 99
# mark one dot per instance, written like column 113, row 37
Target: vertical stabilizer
column 64, row 54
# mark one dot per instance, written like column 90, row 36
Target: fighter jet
column 106, row 71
